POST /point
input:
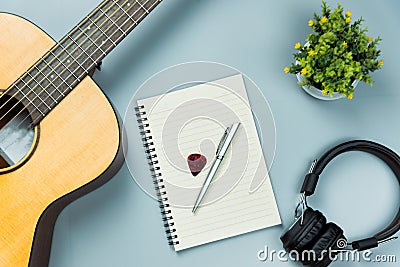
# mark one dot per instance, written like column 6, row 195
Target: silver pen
column 226, row 140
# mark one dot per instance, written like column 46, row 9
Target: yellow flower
column 311, row 53
column 310, row 23
column 303, row 71
column 348, row 19
column 348, row 14
column 370, row 39
column 297, row 46
column 324, row 92
column 350, row 96
column 381, row 63
column 324, row 19
column 286, row 70
column 344, row 43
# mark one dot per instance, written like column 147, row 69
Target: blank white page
column 192, row 121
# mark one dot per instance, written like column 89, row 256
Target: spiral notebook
column 187, row 125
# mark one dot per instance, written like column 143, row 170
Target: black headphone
column 312, row 232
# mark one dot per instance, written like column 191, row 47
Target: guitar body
column 76, row 149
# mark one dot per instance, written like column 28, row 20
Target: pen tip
column 194, row 210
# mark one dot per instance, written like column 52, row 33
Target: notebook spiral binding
column 158, row 181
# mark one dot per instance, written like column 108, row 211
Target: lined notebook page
column 193, row 120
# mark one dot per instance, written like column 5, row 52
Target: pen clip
column 222, row 141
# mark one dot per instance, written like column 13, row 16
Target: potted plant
column 335, row 56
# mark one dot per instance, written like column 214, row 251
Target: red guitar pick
column 196, row 163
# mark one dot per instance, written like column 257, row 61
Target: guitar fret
column 140, row 4
column 100, row 29
column 65, row 67
column 36, row 92
column 94, row 35
column 55, row 72
column 68, row 62
column 75, row 60
column 92, row 41
column 84, row 51
column 63, row 85
column 123, row 10
column 43, row 89
column 110, row 19
column 137, row 12
column 49, row 88
column 125, row 20
column 30, row 100
column 37, row 96
column 152, row 4
column 34, row 81
column 76, row 52
column 99, row 20
column 50, row 82
column 89, row 48
column 142, row 15
column 130, row 18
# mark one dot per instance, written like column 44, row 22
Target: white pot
column 318, row 93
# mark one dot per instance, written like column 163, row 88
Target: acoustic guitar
column 60, row 138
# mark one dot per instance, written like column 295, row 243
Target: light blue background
column 119, row 225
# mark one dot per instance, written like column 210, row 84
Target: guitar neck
column 79, row 52
column 102, row 30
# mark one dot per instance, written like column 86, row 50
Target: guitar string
column 111, row 26
column 89, row 56
column 47, row 54
column 51, row 83
column 95, row 44
column 48, row 65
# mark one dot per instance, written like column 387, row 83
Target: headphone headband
column 378, row 150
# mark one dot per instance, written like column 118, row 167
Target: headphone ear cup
column 325, row 245
column 300, row 236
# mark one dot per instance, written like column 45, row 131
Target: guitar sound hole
column 16, row 132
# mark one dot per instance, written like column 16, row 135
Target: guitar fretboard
column 43, row 86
